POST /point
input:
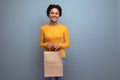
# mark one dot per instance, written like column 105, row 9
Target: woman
column 53, row 35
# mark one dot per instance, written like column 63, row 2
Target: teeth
column 54, row 18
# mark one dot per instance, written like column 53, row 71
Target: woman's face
column 54, row 15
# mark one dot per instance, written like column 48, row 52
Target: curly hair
column 54, row 6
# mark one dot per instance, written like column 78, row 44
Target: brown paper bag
column 52, row 64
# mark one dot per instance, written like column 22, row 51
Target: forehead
column 54, row 10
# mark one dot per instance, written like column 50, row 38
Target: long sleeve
column 66, row 42
column 42, row 39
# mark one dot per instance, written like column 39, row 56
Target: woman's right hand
column 49, row 46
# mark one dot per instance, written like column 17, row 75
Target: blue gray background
column 94, row 29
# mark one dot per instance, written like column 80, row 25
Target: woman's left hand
column 56, row 46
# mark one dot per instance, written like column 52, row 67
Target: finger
column 56, row 49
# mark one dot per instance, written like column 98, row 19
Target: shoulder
column 44, row 26
column 63, row 26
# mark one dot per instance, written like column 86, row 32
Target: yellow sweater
column 55, row 34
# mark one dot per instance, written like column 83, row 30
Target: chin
column 54, row 21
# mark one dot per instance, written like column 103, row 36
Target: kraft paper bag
column 53, row 64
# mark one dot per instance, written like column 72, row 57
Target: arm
column 66, row 43
column 42, row 39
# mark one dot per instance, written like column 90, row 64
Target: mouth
column 54, row 17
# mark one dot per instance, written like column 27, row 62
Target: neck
column 53, row 23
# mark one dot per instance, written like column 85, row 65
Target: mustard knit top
column 55, row 34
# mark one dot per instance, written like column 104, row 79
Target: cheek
column 57, row 16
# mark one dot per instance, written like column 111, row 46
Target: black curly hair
column 54, row 6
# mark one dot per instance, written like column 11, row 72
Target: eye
column 57, row 13
column 51, row 12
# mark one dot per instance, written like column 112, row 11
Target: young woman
column 53, row 35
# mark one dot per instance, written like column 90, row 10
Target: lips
column 54, row 18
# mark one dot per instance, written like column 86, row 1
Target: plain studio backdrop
column 94, row 29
